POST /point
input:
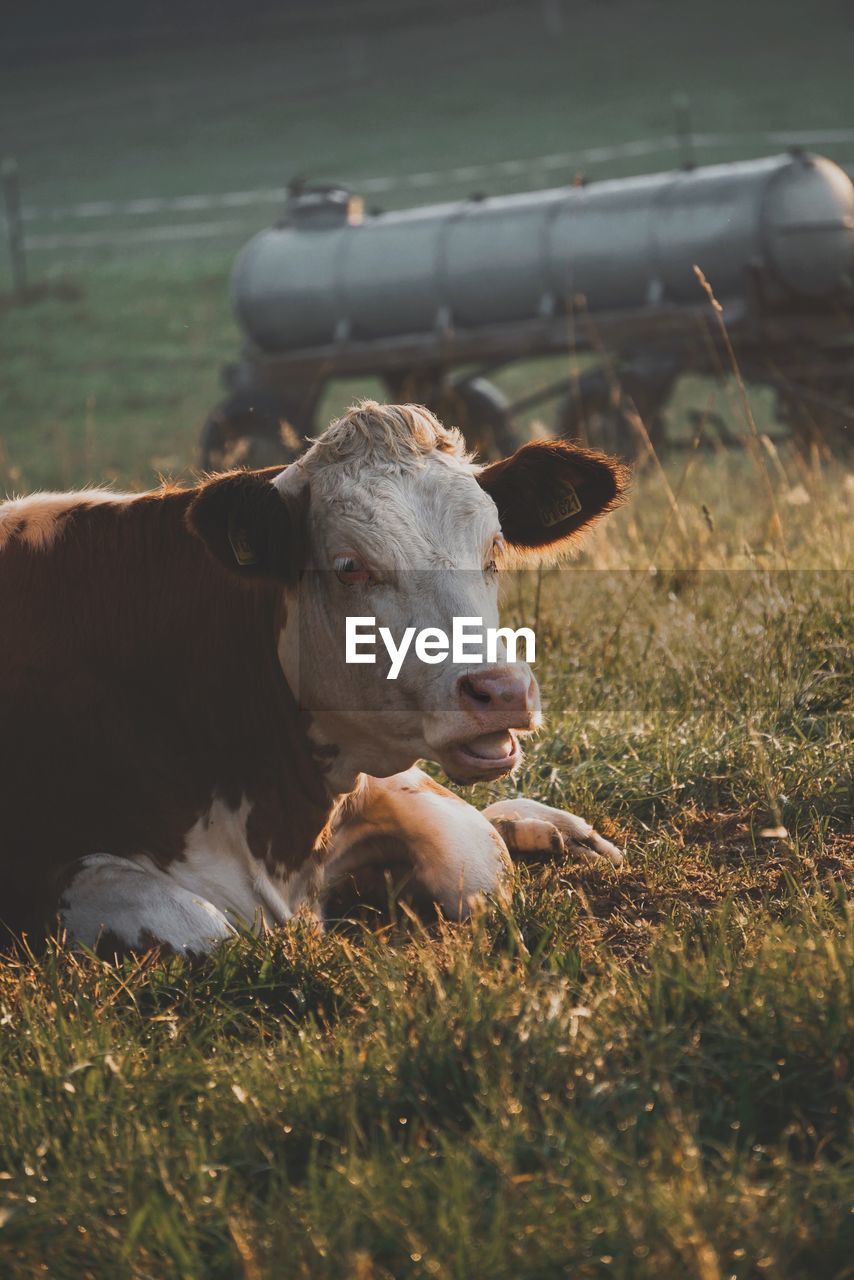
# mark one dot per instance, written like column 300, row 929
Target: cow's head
column 387, row 516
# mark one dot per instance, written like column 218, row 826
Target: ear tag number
column 560, row 508
column 242, row 547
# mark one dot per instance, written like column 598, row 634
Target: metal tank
column 410, row 295
column 623, row 244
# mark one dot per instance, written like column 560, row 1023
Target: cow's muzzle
column 492, row 705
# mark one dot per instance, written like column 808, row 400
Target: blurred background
column 147, row 145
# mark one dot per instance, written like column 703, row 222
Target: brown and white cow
column 182, row 746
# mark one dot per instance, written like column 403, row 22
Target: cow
column 184, row 751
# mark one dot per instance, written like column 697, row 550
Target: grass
column 504, row 1101
column 641, row 1073
column 111, row 383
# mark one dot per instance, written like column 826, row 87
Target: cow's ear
column 549, row 492
column 253, row 526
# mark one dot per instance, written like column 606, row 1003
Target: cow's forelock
column 389, row 436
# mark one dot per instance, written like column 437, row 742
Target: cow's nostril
column 469, row 689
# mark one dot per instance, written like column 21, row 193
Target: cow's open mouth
column 489, row 756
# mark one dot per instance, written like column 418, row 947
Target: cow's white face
column 387, row 518
column 411, row 545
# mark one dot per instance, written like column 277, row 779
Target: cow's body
column 159, row 781
column 141, row 695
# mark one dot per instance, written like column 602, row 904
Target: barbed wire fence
column 120, row 224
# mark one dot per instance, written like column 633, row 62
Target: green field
column 641, row 1073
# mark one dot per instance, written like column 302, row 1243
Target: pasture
column 641, row 1073
column 633, row 1073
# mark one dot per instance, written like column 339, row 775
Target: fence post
column 14, row 223
column 684, row 130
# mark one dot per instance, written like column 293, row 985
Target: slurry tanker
column 432, row 302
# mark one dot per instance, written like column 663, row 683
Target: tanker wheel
column 604, row 411
column 249, row 429
column 817, row 429
column 482, row 413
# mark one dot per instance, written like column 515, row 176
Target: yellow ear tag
column 244, row 553
column 560, row 508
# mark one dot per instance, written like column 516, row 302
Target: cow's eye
column 349, row 570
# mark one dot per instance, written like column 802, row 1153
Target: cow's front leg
column 537, row 831
column 433, row 847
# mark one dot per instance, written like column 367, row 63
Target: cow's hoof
column 535, row 832
column 594, row 849
column 541, row 840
